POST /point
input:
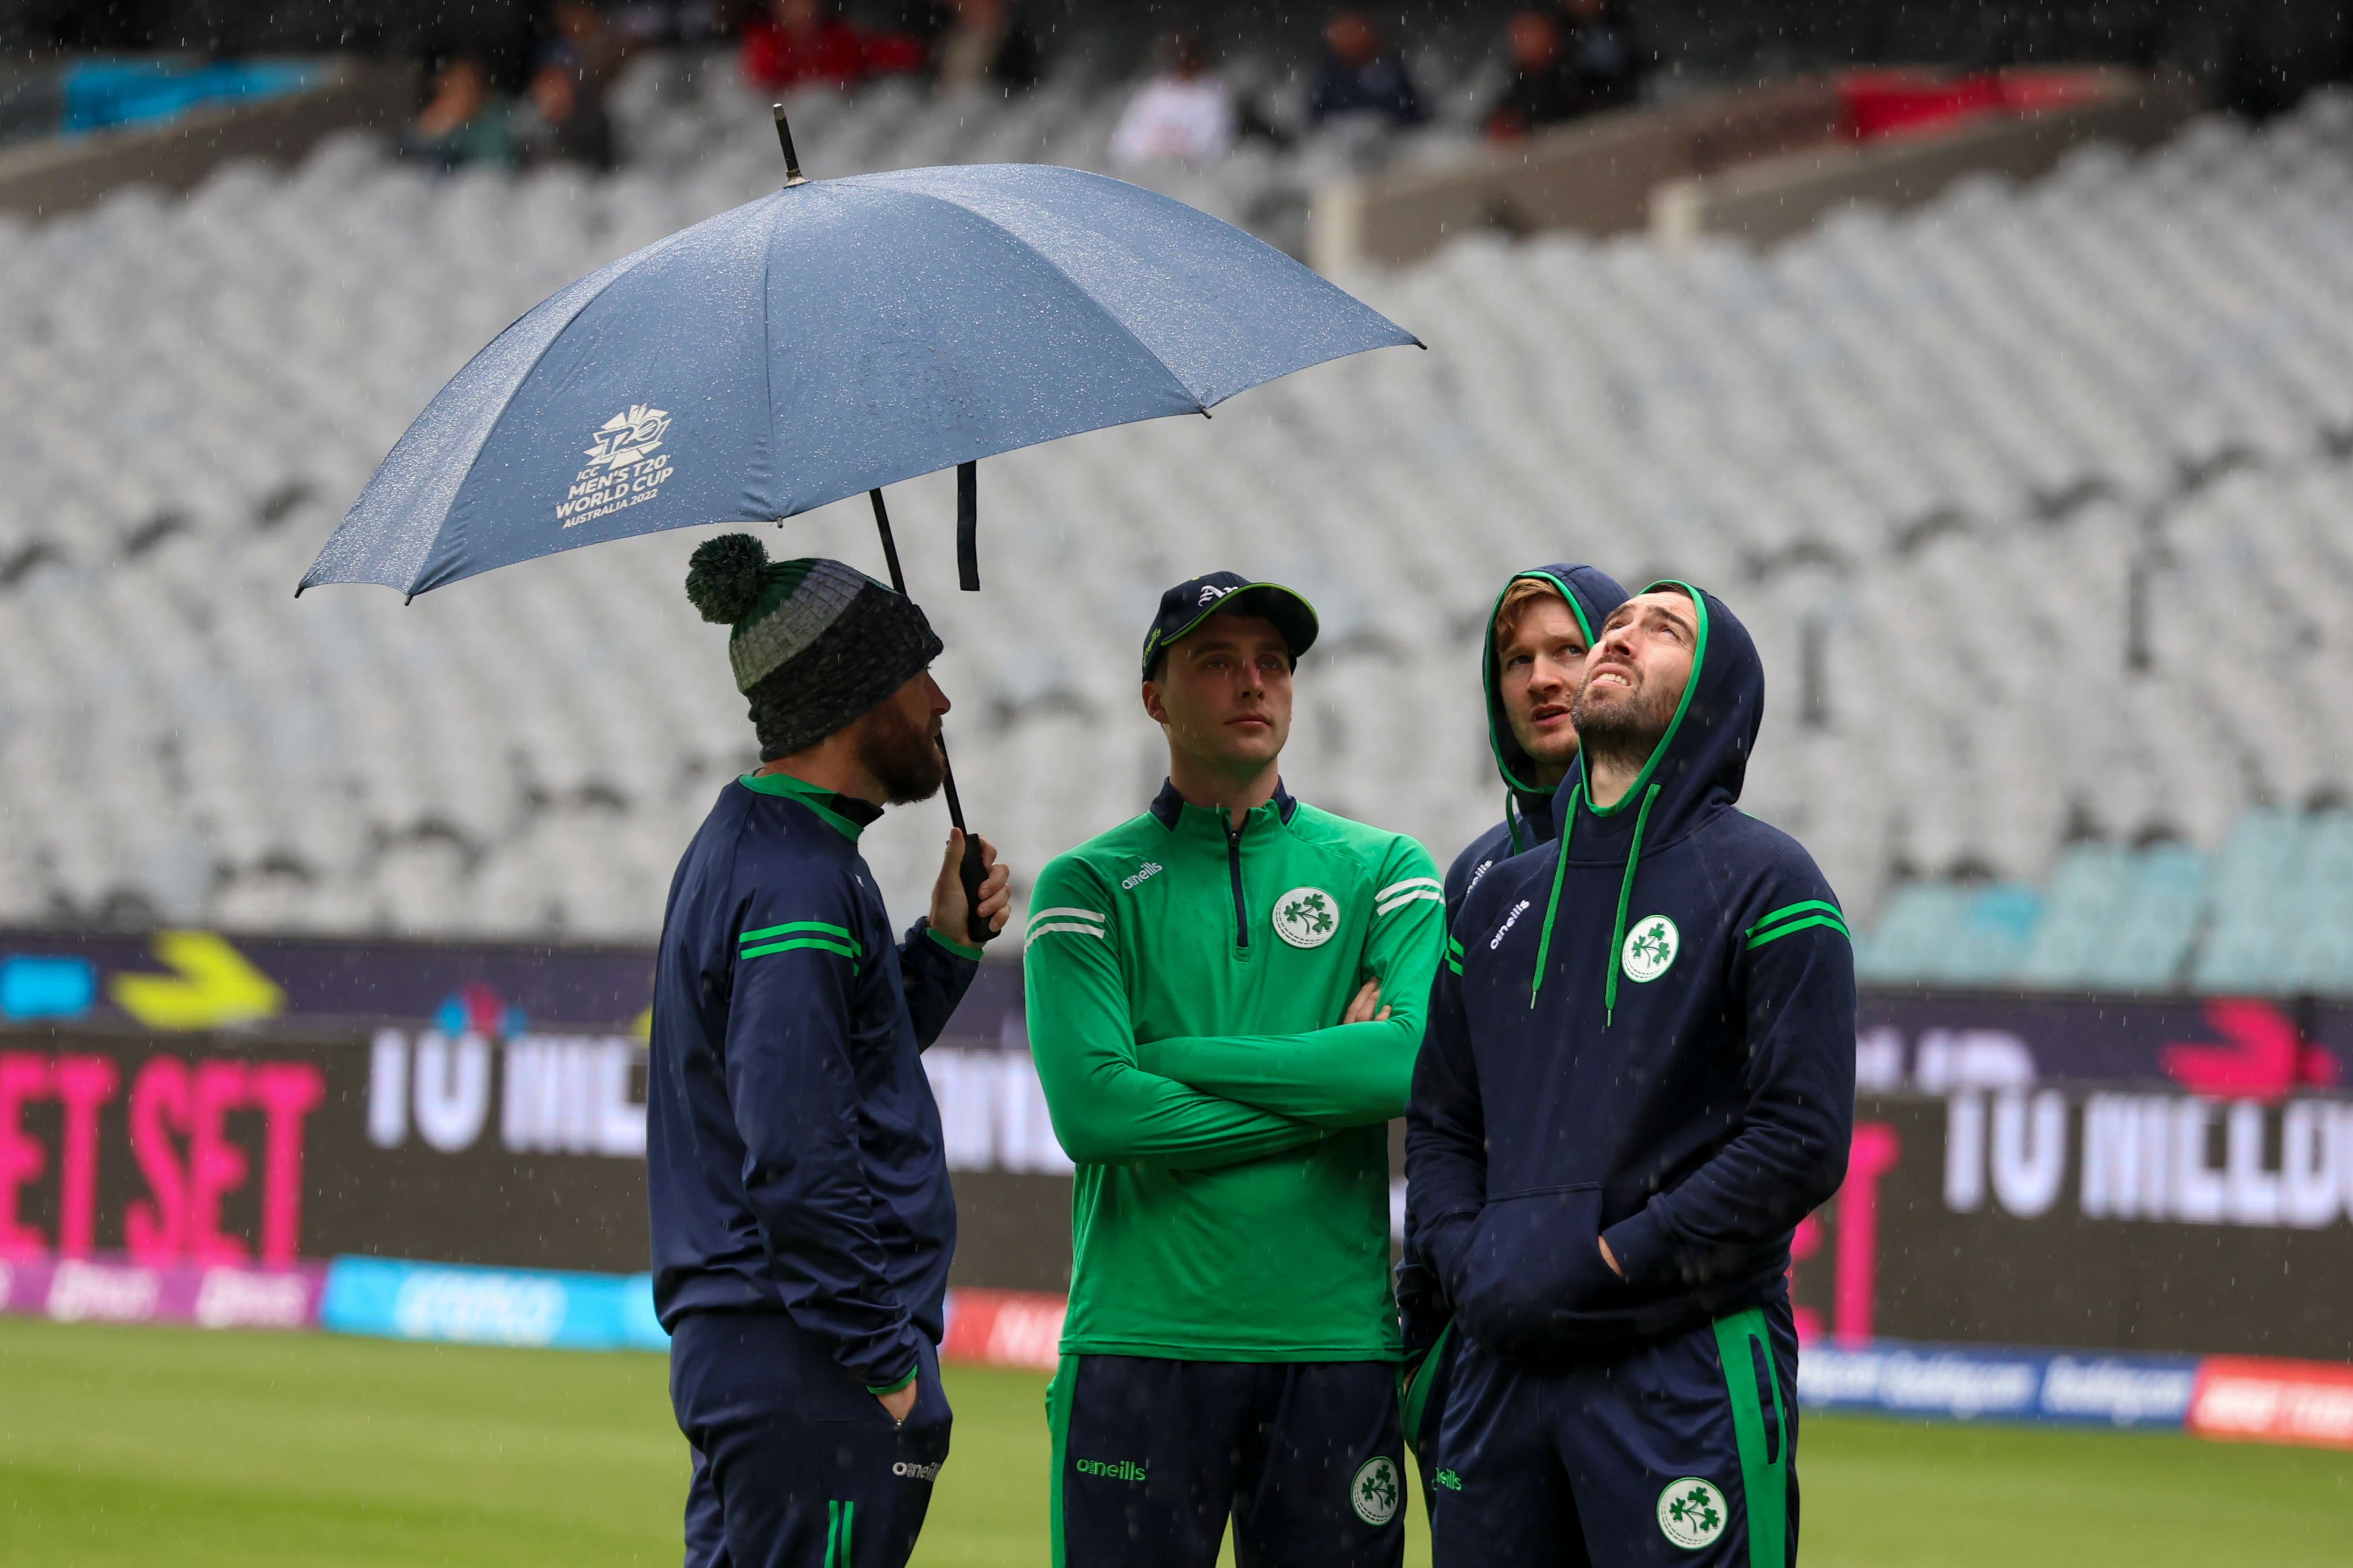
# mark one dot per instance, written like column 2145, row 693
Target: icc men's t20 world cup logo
column 626, row 466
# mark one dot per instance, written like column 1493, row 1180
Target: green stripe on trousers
column 837, row 1517
column 1764, row 1483
column 1060, row 1395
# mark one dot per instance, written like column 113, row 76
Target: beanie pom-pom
column 725, row 577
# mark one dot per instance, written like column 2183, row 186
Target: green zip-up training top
column 1185, row 983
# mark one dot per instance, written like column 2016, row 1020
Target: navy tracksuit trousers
column 796, row 1465
column 1680, row 1451
column 1152, row 1457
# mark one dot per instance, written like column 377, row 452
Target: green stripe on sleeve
column 1764, row 1480
column 1778, row 932
column 1790, row 912
column 959, row 949
column 789, row 944
column 844, row 932
column 879, row 1390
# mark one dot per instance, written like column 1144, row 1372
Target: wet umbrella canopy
column 832, row 338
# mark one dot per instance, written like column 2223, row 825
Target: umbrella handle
column 972, row 871
column 968, row 526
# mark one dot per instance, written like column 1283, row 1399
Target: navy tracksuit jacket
column 1644, row 1032
column 802, row 1219
column 1527, row 824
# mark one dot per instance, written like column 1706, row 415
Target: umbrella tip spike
column 793, row 175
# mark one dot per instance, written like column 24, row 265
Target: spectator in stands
column 465, row 122
column 1361, row 74
column 1603, row 58
column 1186, row 113
column 565, row 121
column 803, row 43
column 984, row 44
column 585, row 38
column 1542, row 93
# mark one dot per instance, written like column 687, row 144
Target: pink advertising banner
column 112, row 1288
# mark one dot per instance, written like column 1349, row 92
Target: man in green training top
column 1205, row 1003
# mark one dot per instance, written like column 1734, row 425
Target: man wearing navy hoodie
column 1538, row 634
column 1639, row 1077
column 802, row 1218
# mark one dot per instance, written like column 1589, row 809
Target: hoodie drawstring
column 1625, row 897
column 1552, row 905
column 1512, row 821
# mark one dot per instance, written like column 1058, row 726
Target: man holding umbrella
column 1205, row 1006
column 802, row 1217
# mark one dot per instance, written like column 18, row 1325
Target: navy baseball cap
column 1191, row 602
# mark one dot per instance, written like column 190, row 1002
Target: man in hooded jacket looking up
column 1638, row 1078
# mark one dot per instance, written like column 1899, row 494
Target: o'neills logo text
column 915, row 1472
column 1510, row 920
column 1110, row 1469
column 626, row 466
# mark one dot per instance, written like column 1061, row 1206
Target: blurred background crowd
column 2128, row 369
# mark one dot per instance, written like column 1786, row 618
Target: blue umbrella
column 835, row 337
column 832, row 338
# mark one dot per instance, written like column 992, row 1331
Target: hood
column 1591, row 594
column 1697, row 769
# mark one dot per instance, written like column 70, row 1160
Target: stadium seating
column 2034, row 499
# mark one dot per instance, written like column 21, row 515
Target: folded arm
column 1350, row 1074
column 1106, row 1109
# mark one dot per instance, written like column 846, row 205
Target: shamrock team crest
column 1307, row 917
column 1651, row 948
column 1691, row 1512
column 1375, row 1493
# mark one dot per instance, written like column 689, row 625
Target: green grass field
column 162, row 1446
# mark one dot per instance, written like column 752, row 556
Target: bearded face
column 1634, row 678
column 900, row 745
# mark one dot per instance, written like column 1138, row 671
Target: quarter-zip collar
column 1174, row 813
column 845, row 814
column 1215, row 828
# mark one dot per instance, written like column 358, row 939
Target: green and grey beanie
column 816, row 643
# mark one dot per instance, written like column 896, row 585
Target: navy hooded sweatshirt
column 1643, row 1031
column 1527, row 824
column 793, row 1154
column 1527, row 821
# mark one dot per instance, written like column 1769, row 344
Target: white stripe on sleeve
column 1037, row 915
column 1395, row 887
column 1417, row 896
column 1036, row 930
